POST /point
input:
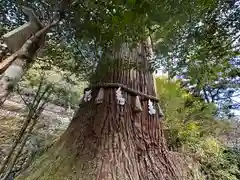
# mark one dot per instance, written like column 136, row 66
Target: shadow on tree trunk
column 108, row 141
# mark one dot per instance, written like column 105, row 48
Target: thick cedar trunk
column 108, row 141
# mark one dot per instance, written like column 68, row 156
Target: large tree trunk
column 111, row 142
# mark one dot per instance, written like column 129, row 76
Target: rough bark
column 111, row 142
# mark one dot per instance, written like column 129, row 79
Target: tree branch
column 24, row 50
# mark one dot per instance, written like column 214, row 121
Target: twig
column 25, row 102
column 34, row 119
column 23, row 142
column 31, row 114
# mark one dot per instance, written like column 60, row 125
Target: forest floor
column 49, row 127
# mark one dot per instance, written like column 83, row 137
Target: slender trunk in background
column 108, row 141
column 21, row 146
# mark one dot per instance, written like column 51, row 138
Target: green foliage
column 203, row 54
column 67, row 89
column 92, row 27
column 104, row 23
column 217, row 161
column 192, row 129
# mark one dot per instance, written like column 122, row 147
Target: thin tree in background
column 35, row 109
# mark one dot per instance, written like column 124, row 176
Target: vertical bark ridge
column 112, row 142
